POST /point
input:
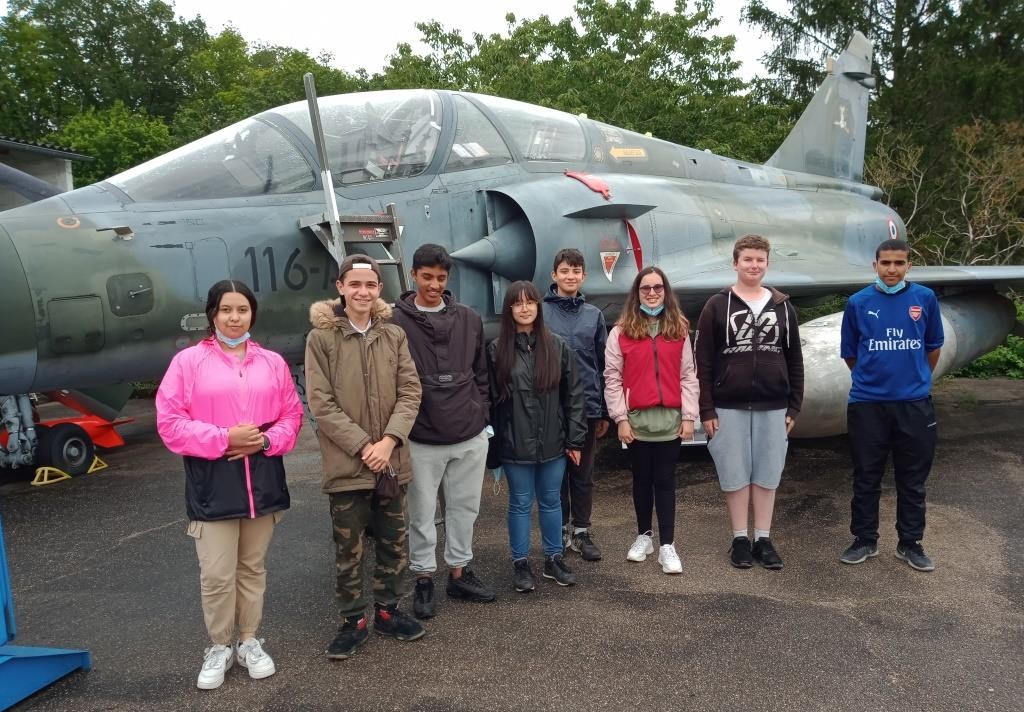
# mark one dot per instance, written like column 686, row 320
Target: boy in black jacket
column 751, row 374
column 448, row 442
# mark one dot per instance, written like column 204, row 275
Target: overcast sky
column 364, row 33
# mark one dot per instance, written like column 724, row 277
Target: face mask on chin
column 231, row 343
column 652, row 311
column 883, row 287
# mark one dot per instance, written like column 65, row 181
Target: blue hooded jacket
column 583, row 329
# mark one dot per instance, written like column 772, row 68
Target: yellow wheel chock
column 52, row 475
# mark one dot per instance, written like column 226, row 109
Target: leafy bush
column 1007, row 361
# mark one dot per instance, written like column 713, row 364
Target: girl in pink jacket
column 230, row 408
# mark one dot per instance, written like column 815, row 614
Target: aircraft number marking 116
column 294, row 275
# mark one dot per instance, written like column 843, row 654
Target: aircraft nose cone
column 17, row 322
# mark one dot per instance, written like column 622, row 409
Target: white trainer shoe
column 252, row 656
column 669, row 559
column 217, row 661
column 641, row 548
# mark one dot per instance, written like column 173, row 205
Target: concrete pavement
column 103, row 562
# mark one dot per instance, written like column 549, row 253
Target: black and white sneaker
column 556, row 570
column 523, row 579
column 585, row 546
column 859, row 551
column 913, row 554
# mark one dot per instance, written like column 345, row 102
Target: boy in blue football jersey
column 891, row 340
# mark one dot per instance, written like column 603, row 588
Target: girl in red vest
column 651, row 391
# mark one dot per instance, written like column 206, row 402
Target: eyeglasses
column 524, row 304
column 648, row 288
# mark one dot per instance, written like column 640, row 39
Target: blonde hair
column 635, row 324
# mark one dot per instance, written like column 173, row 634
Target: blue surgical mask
column 231, row 342
column 883, row 287
column 652, row 311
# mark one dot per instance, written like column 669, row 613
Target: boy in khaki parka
column 364, row 393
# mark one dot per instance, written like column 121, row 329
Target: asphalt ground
column 103, row 562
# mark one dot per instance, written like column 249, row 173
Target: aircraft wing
column 851, row 279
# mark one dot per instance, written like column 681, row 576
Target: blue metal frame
column 24, row 671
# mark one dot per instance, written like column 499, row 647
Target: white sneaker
column 669, row 559
column 641, row 548
column 217, row 660
column 251, row 655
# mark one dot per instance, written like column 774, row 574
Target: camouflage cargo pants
column 351, row 513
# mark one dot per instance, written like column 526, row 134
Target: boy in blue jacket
column 583, row 328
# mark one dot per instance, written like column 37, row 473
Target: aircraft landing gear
column 61, row 448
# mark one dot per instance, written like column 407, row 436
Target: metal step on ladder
column 378, row 236
column 374, row 235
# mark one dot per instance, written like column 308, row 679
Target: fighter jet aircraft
column 102, row 285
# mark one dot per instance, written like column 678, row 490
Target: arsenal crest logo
column 915, row 312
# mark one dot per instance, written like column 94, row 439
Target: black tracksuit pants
column 578, row 483
column 908, row 430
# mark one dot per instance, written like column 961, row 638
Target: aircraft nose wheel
column 67, row 447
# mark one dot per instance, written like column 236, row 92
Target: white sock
column 760, row 534
column 739, row 532
column 579, row 530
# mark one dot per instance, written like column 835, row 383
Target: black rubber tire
column 67, row 447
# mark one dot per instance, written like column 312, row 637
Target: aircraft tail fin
column 828, row 139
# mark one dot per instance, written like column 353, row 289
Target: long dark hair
column 217, row 292
column 546, row 369
column 634, row 322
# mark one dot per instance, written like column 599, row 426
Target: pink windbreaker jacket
column 206, row 391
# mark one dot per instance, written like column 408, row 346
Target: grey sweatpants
column 459, row 468
column 749, row 448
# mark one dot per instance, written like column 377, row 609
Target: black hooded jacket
column 749, row 361
column 450, row 354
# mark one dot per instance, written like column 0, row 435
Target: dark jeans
column 654, row 486
column 907, row 429
column 578, row 483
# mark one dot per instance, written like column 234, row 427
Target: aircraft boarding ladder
column 377, row 236
column 374, row 235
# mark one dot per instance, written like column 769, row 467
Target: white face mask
column 232, row 343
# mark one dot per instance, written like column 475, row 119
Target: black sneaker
column 913, row 554
column 394, row 623
column 764, row 553
column 555, row 569
column 423, row 598
column 469, row 587
column 350, row 636
column 739, row 553
column 523, row 579
column 859, row 551
column 582, row 543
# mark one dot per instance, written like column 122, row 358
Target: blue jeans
column 543, row 479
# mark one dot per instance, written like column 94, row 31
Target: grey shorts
column 749, row 447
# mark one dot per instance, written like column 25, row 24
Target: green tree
column 233, row 80
column 116, row 139
column 66, row 56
